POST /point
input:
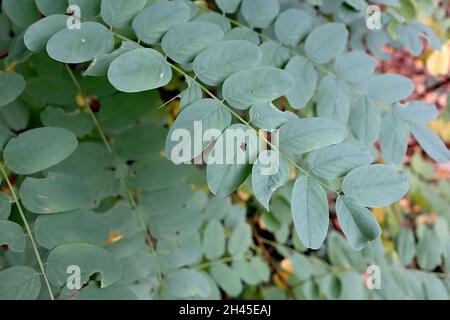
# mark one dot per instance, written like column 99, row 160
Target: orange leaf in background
column 114, row 237
column 286, row 265
column 438, row 62
column 379, row 214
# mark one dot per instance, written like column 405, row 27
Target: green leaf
column 305, row 81
column 50, row 7
column 434, row 288
column 333, row 99
column 139, row 70
column 214, row 240
column 11, row 86
column 429, row 249
column 365, row 120
column 326, row 42
column 100, row 65
column 51, row 89
column 260, row 13
column 354, row 66
column 226, row 278
column 417, row 111
column 90, row 259
column 39, row 33
column 358, row 223
column 261, row 84
column 229, row 163
column 269, row 173
column 389, row 88
column 38, row 149
column 19, row 283
column 5, row 206
column 228, row 6
column 410, row 38
column 405, row 245
column 191, row 94
column 292, row 26
column 155, row 20
column 309, row 206
column 242, row 33
column 119, row 13
column 215, row 18
column 90, row 9
column 184, row 284
column 22, row 13
column 267, row 116
column 223, row 59
column 393, row 138
column 430, row 142
column 207, row 113
column 375, row 186
column 185, row 41
column 58, row 192
column 78, row 122
column 240, row 239
column 336, row 161
column 80, row 45
column 274, row 54
column 12, row 235
column 140, row 142
column 305, row 135
column 93, row 292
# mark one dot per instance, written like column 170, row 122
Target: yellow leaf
column 380, row 214
column 438, row 61
column 114, row 237
column 286, row 265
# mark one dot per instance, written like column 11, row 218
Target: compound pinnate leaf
column 119, row 13
column 418, row 111
column 269, row 173
column 58, row 192
column 183, row 42
column 228, row 6
column 215, row 18
column 19, row 283
column 227, row 279
column 11, row 86
column 305, row 81
column 39, row 33
column 405, row 245
column 223, row 59
column 90, row 9
column 354, row 66
column 207, row 113
column 214, row 240
column 393, row 138
column 326, row 42
column 365, row 120
column 184, row 284
column 257, row 85
column 5, row 206
column 309, row 205
column 292, row 25
column 80, row 45
column 139, row 70
column 267, row 116
column 51, row 7
column 22, row 13
column 260, row 13
column 336, row 161
column 358, row 223
column 89, row 258
column 305, row 135
column 333, row 99
column 229, row 163
column 39, row 149
column 389, row 88
column 430, row 142
column 155, row 20
column 12, row 235
column 375, row 186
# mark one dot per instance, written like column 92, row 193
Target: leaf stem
column 28, row 229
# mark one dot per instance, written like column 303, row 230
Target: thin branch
column 28, row 229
